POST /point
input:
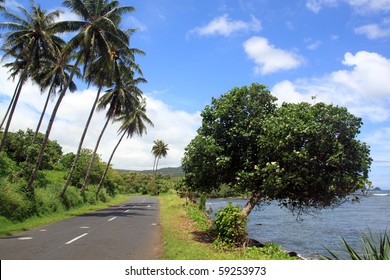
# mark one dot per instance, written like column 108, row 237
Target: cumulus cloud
column 225, row 26
column 174, row 127
column 375, row 31
column 268, row 58
column 362, row 88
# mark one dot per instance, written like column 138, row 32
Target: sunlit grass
column 185, row 236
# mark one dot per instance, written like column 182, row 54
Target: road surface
column 130, row 230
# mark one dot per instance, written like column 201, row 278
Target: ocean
column 308, row 237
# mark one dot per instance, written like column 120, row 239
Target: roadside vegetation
column 189, row 235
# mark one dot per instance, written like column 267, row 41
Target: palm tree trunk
column 155, row 171
column 108, row 165
column 154, row 164
column 93, row 156
column 10, row 105
column 11, row 113
column 42, row 114
column 72, row 169
column 49, row 126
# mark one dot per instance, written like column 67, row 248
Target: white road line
column 113, row 218
column 74, row 239
column 84, row 227
column 25, row 238
column 128, row 210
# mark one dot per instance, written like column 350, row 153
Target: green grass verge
column 8, row 227
column 185, row 236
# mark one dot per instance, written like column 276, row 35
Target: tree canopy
column 305, row 156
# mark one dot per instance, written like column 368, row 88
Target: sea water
column 310, row 236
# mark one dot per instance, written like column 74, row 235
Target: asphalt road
column 130, row 230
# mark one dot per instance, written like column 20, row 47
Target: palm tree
column 121, row 99
column 131, row 124
column 159, row 150
column 31, row 38
column 98, row 31
column 54, row 73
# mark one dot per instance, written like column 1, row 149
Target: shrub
column 13, row 203
column 72, row 198
column 230, row 226
column 7, row 166
column 47, row 200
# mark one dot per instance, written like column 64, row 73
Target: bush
column 47, row 201
column 13, row 202
column 230, row 226
column 72, row 198
column 7, row 166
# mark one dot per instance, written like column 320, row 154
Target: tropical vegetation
column 101, row 48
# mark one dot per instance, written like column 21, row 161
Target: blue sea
column 308, row 237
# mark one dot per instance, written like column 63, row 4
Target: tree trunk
column 93, row 156
column 70, row 175
column 11, row 113
column 255, row 198
column 42, row 114
column 108, row 165
column 49, row 126
column 10, row 104
column 44, row 143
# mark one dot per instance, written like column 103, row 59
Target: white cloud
column 268, row 58
column 361, row 6
column 316, row 5
column 363, row 88
column 375, row 31
column 174, row 127
column 225, row 26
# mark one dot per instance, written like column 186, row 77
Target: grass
column 185, row 236
column 8, row 227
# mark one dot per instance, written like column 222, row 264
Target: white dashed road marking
column 74, row 239
column 113, row 218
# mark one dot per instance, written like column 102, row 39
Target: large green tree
column 305, row 156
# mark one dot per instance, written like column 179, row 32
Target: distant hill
column 173, row 171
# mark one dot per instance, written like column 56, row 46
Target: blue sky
column 336, row 50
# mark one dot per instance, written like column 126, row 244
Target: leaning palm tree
column 31, row 38
column 133, row 123
column 98, row 31
column 121, row 100
column 159, row 150
column 53, row 74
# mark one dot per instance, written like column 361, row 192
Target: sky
column 335, row 50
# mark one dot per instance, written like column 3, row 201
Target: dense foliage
column 18, row 204
column 305, row 156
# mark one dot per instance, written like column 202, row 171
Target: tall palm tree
column 30, row 38
column 159, row 150
column 133, row 123
column 98, row 30
column 121, row 99
column 54, row 74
